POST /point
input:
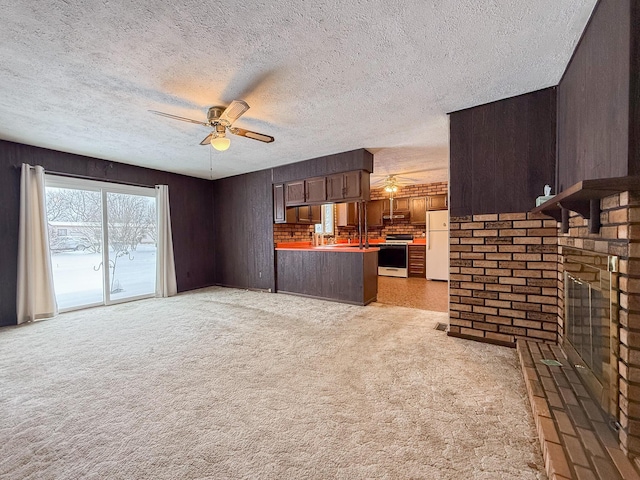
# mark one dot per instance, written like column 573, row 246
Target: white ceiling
column 321, row 76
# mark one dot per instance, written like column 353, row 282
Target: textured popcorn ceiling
column 320, row 76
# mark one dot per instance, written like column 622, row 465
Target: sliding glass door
column 132, row 248
column 84, row 216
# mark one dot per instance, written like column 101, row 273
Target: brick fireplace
column 507, row 284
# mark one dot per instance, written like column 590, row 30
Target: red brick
column 527, row 224
column 500, row 336
column 498, row 320
column 513, row 232
column 472, row 256
column 497, row 288
column 513, row 216
column 528, row 257
column 510, row 313
column 498, row 256
column 512, row 248
column 485, row 248
column 527, row 240
column 472, row 225
column 513, row 281
column 541, row 299
column 492, row 217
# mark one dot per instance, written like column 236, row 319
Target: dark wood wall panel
column 502, row 154
column 190, row 199
column 243, row 213
column 593, row 99
column 360, row 159
column 461, row 150
column 634, row 92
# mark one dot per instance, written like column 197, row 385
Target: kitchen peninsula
column 341, row 272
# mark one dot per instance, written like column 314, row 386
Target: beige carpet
column 224, row 383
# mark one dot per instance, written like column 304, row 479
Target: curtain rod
column 86, row 177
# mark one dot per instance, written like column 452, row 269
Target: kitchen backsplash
column 286, row 232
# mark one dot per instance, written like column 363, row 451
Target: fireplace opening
column 591, row 338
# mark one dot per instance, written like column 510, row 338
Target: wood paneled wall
column 243, row 216
column 594, row 98
column 190, row 198
column 634, row 92
column 502, row 154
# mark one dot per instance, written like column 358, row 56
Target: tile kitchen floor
column 414, row 293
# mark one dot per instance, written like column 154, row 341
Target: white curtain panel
column 36, row 297
column 166, row 284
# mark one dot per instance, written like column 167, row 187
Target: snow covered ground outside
column 78, row 276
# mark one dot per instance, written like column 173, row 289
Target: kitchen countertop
column 338, row 247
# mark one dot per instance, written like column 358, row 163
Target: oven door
column 392, row 260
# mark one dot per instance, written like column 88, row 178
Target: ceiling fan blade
column 233, row 111
column 175, row 117
column 253, row 135
column 207, row 140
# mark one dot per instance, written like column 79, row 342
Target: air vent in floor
column 441, row 326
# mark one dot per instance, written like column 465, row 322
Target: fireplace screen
column 591, row 334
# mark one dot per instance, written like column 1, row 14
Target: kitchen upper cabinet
column 310, row 214
column 418, row 210
column 278, row 204
column 316, row 190
column 399, row 205
column 311, row 190
column 374, row 213
column 346, row 214
column 294, row 193
column 437, row 202
column 348, row 186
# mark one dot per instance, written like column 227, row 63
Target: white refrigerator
column 437, row 259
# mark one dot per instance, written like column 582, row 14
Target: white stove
column 393, row 256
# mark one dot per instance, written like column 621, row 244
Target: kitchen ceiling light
column 220, row 143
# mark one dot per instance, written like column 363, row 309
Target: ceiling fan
column 221, row 119
column 391, row 182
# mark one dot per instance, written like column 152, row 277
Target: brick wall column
column 503, row 277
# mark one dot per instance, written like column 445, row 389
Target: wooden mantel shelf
column 584, row 199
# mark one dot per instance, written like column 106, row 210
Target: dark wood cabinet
column 399, row 205
column 279, row 215
column 347, row 186
column 374, row 213
column 417, row 256
column 316, row 190
column 339, row 187
column 311, row 190
column 418, row 210
column 346, row 214
column 294, row 193
column 437, row 202
column 284, row 214
column 309, row 214
column 291, row 215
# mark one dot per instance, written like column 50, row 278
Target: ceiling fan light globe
column 220, row 143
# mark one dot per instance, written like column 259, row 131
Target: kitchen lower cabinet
column 417, row 256
column 343, row 275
